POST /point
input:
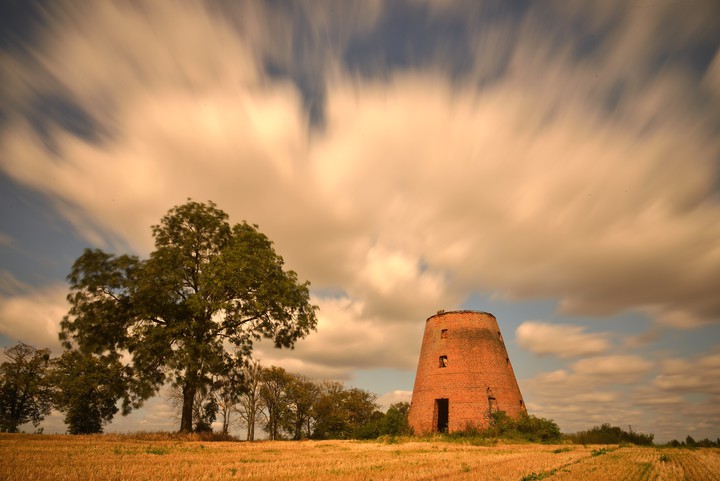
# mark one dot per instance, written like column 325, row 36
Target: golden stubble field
column 147, row 457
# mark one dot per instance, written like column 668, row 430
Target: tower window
column 443, row 334
column 443, row 361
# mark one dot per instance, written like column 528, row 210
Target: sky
column 554, row 163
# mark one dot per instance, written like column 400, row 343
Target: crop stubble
column 148, row 457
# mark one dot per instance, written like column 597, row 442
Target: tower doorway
column 442, row 408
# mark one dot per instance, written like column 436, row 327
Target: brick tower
column 463, row 375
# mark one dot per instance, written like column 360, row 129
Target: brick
column 462, row 360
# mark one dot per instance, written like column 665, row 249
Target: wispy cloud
column 32, row 316
column 563, row 341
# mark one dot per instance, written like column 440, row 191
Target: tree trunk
column 186, row 421
column 251, row 425
column 226, row 420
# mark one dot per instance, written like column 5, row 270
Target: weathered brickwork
column 464, row 373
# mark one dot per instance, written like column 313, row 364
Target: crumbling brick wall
column 462, row 360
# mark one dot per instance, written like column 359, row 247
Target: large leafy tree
column 195, row 307
column 87, row 389
column 24, row 391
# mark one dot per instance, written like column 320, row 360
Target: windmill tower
column 464, row 374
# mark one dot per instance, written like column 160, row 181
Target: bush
column 607, row 434
column 538, row 429
column 527, row 427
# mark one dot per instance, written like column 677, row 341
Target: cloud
column 460, row 189
column 33, row 315
column 393, row 397
column 594, row 377
column 712, row 76
column 11, row 285
column 684, row 376
column 563, row 341
column 612, row 389
column 592, row 390
column 346, row 340
column 5, row 240
column 619, row 368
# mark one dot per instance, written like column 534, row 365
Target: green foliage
column 208, row 413
column 275, row 382
column 526, row 427
column 300, row 396
column 607, row 434
column 296, row 407
column 87, row 388
column 157, row 450
column 206, row 286
column 395, row 420
column 600, row 452
column 537, row 429
column 691, row 443
column 345, row 413
column 227, row 391
column 24, row 392
column 538, row 476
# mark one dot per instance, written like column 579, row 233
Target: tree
column 24, row 392
column 300, row 394
column 228, row 390
column 360, row 407
column 208, row 412
column 204, row 405
column 395, row 422
column 343, row 413
column 330, row 420
column 205, row 287
column 87, row 388
column 273, row 392
column 249, row 405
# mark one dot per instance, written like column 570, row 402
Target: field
column 152, row 457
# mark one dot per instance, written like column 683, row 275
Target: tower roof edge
column 459, row 311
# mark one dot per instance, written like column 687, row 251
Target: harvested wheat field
column 151, row 457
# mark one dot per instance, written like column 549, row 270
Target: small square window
column 443, row 361
column 443, row 334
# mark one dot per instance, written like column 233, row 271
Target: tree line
column 89, row 390
column 691, row 443
column 293, row 406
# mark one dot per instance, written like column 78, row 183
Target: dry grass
column 158, row 457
